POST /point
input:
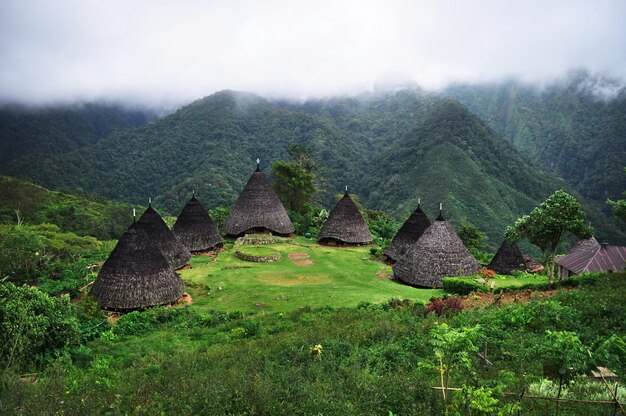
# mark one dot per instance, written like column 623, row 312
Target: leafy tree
column 472, row 237
column 33, row 323
column 20, row 251
column 619, row 206
column 294, row 185
column 549, row 223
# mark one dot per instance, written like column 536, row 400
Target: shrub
column 445, row 306
column 462, row 286
column 33, row 324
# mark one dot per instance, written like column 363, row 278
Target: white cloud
column 160, row 52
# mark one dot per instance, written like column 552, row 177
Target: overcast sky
column 170, row 52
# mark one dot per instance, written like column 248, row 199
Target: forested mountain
column 576, row 127
column 390, row 148
column 57, row 130
column 24, row 201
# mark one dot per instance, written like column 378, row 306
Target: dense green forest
column 390, row 148
column 60, row 129
column 573, row 128
column 22, row 201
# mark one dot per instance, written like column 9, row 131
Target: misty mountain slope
column 455, row 159
column 26, row 131
column 566, row 127
column 209, row 145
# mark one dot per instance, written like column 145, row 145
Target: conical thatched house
column 174, row 252
column 345, row 225
column 507, row 258
column 408, row 234
column 438, row 253
column 258, row 210
column 586, row 244
column 136, row 275
column 195, row 229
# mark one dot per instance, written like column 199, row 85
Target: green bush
column 462, row 286
column 33, row 324
column 20, row 252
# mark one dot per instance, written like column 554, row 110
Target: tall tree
column 549, row 223
column 294, row 185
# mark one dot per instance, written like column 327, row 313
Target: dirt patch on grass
column 185, row 300
column 298, row 255
column 384, row 275
column 303, row 262
column 486, row 299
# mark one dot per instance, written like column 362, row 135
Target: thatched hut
column 345, row 225
column 408, row 234
column 195, row 229
column 585, row 244
column 136, row 275
column 174, row 252
column 507, row 258
column 258, row 210
column 438, row 253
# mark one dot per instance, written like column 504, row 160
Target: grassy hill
column 83, row 215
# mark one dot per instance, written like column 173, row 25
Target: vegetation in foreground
column 364, row 360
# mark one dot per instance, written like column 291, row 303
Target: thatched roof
column 507, row 258
column 174, row 252
column 345, row 225
column 136, row 275
column 408, row 234
column 258, row 209
column 195, row 229
column 585, row 245
column 438, row 253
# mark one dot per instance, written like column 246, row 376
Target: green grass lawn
column 327, row 276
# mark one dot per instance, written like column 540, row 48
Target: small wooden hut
column 258, row 210
column 507, row 258
column 408, row 234
column 174, row 252
column 136, row 275
column 195, row 229
column 438, row 253
column 345, row 225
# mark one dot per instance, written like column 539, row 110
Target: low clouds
column 167, row 52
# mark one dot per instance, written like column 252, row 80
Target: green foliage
column 219, row 215
column 472, row 237
column 564, row 353
column 549, row 223
column 294, row 185
column 462, row 286
column 619, row 206
column 79, row 214
column 20, row 251
column 382, row 227
column 33, row 324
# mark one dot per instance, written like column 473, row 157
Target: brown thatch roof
column 136, row 275
column 585, row 245
column 258, row 209
column 174, row 252
column 195, row 229
column 408, row 234
column 345, row 225
column 507, row 258
column 438, row 253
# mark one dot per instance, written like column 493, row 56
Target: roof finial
column 346, row 190
column 419, row 201
column 440, row 217
column 193, row 192
column 258, row 165
column 149, row 202
column 134, row 215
